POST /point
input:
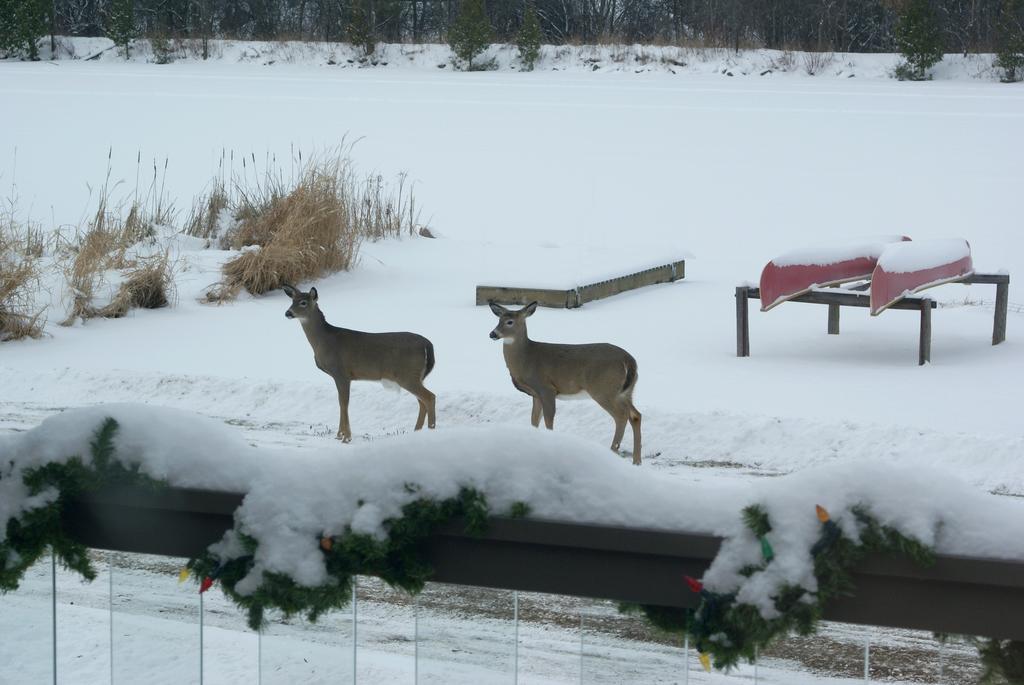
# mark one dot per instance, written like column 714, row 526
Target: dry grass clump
column 298, row 233
column 205, row 218
column 817, row 62
column 383, row 211
column 20, row 251
column 102, row 247
column 152, row 210
column 15, row 325
column 140, row 223
column 105, row 246
column 785, row 61
column 148, row 284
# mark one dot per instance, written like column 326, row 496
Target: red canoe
column 908, row 268
column 794, row 273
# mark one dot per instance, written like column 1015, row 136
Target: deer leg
column 620, row 413
column 535, row 414
column 620, row 430
column 547, row 404
column 634, row 423
column 344, row 429
column 428, row 403
column 421, row 417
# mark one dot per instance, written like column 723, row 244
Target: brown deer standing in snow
column 545, row 371
column 346, row 355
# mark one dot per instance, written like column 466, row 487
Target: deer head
column 511, row 324
column 303, row 304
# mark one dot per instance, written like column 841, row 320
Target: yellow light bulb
column 822, row 513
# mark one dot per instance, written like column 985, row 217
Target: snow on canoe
column 907, row 268
column 796, row 272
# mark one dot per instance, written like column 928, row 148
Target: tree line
column 958, row 26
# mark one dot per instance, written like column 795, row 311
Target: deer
column 346, row 355
column 545, row 371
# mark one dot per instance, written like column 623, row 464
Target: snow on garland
column 397, row 559
column 311, row 520
column 33, row 524
column 727, row 628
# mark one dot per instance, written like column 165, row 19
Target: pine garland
column 729, row 631
column 398, row 559
column 725, row 631
column 39, row 529
column 1003, row 661
column 721, row 628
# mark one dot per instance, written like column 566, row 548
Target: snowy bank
column 611, row 59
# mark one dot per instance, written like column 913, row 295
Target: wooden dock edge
column 576, row 297
column 562, row 299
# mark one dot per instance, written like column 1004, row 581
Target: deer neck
column 517, row 351
column 317, row 331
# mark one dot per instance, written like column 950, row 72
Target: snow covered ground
column 545, row 177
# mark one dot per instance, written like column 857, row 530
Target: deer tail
column 631, row 376
column 429, row 353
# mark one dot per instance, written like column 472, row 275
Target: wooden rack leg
column 924, row 353
column 833, row 319
column 999, row 322
column 742, row 323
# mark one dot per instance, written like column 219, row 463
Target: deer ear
column 497, row 309
column 312, row 294
column 529, row 309
column 288, row 290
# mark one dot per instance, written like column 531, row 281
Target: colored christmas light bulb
column 705, row 661
column 206, row 584
column 822, row 513
column 326, row 544
column 766, row 549
column 694, row 584
column 183, row 576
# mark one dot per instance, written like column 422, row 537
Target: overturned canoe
column 907, row 268
column 794, row 273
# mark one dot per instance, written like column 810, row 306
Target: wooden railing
column 973, row 596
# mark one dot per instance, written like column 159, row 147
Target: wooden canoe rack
column 856, row 297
